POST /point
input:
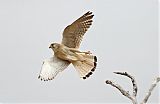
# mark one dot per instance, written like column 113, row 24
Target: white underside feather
column 51, row 67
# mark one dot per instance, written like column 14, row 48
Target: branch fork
column 132, row 96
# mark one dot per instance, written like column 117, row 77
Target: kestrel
column 67, row 51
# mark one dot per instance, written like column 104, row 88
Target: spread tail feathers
column 87, row 67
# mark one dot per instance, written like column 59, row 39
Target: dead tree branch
column 135, row 88
column 125, row 93
column 150, row 90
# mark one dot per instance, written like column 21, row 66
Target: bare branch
column 150, row 90
column 125, row 93
column 135, row 88
column 133, row 96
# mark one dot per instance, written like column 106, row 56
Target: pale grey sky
column 124, row 36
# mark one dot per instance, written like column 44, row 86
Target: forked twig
column 135, row 88
column 125, row 93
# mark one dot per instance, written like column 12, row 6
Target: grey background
column 124, row 36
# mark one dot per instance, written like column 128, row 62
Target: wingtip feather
column 45, row 79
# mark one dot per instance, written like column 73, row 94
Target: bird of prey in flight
column 66, row 52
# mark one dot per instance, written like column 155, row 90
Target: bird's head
column 54, row 46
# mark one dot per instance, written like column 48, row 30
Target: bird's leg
column 75, row 50
column 88, row 52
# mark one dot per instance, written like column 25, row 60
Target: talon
column 88, row 52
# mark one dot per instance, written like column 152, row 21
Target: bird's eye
column 53, row 45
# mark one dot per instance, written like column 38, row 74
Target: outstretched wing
column 51, row 67
column 73, row 33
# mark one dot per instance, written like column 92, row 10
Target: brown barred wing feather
column 73, row 34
